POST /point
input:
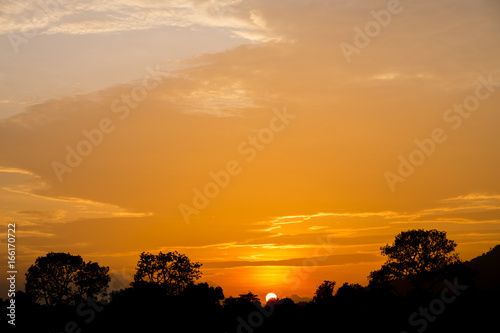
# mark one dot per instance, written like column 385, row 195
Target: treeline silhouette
column 422, row 287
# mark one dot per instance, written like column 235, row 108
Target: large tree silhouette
column 65, row 279
column 324, row 292
column 171, row 271
column 417, row 255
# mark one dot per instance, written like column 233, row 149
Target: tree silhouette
column 171, row 271
column 324, row 292
column 469, row 304
column 203, row 294
column 242, row 299
column 65, row 279
column 350, row 291
column 416, row 255
column 249, row 297
column 230, row 301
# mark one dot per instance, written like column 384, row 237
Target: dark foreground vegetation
column 423, row 287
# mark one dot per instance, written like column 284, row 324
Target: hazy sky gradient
column 315, row 194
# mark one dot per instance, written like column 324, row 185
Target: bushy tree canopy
column 324, row 292
column 65, row 279
column 415, row 254
column 171, row 271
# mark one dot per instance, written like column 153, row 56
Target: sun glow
column 271, row 296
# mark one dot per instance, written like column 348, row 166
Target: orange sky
column 308, row 157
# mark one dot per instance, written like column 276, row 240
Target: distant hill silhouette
column 297, row 299
column 487, row 269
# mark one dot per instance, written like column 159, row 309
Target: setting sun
column 271, row 296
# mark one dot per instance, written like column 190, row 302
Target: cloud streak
column 94, row 17
column 322, row 261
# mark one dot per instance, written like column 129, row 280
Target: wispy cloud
column 472, row 197
column 72, row 208
column 16, row 170
column 92, row 17
column 43, row 214
column 303, row 218
column 29, row 233
column 321, row 261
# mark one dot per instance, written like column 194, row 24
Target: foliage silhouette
column 353, row 308
column 248, row 298
column 203, row 294
column 172, row 271
column 324, row 292
column 350, row 291
column 65, row 279
column 417, row 255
